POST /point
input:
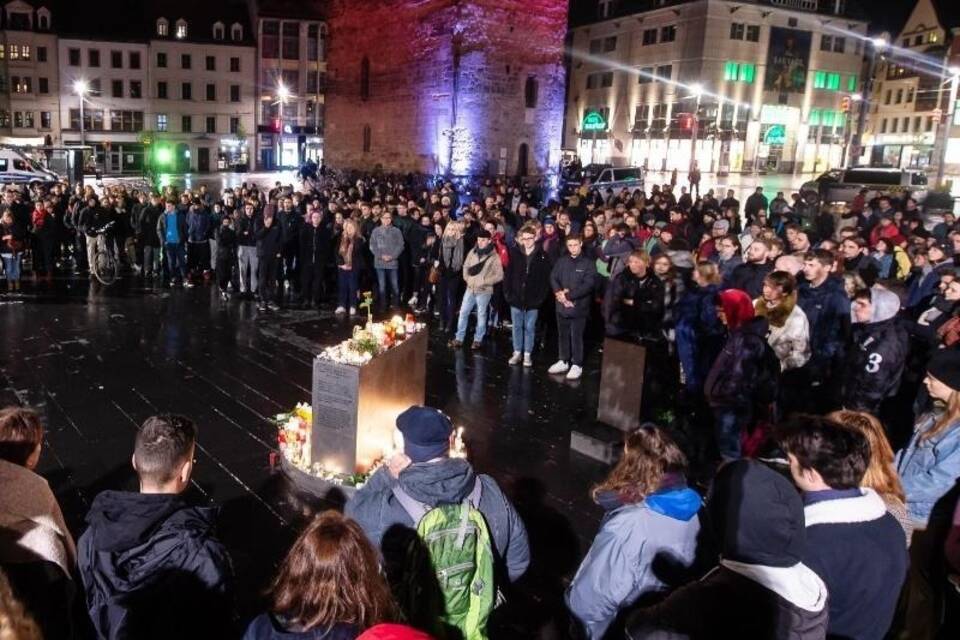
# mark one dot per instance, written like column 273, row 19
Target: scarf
column 346, row 251
column 483, row 255
column 452, row 251
column 777, row 316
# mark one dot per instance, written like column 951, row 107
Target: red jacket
column 39, row 219
column 502, row 250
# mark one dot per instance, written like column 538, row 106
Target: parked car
column 617, row 178
column 16, row 168
column 843, row 185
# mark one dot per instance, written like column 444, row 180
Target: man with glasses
column 526, row 286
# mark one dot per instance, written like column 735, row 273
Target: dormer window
column 43, row 19
column 181, row 28
column 236, row 32
column 218, row 31
column 163, row 28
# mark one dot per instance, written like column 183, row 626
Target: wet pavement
column 97, row 361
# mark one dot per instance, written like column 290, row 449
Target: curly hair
column 648, row 454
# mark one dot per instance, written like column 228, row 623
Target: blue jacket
column 828, row 313
column 699, row 333
column 624, row 561
column 379, row 513
column 198, row 226
column 267, row 627
column 929, row 468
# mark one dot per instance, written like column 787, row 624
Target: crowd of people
column 802, row 368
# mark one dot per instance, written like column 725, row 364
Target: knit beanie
column 945, row 367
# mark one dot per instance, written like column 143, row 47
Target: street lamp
column 282, row 94
column 943, row 131
column 81, row 88
column 697, row 91
column 879, row 46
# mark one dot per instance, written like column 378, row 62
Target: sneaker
column 412, row 302
column 527, row 360
column 189, row 285
column 574, row 373
column 353, row 311
column 455, row 344
column 340, row 311
column 224, row 295
column 559, row 367
column 515, row 358
column 261, row 307
column 273, row 306
column 476, row 346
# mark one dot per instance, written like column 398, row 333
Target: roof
column 129, row 21
column 307, row 9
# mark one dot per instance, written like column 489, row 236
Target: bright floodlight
column 879, row 43
column 282, row 92
column 80, row 87
column 697, row 90
column 856, row 97
column 954, row 71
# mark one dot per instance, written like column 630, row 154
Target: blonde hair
column 881, row 475
column 709, row 272
column 950, row 416
column 648, row 454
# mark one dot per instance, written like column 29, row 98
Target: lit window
column 25, row 52
column 747, row 73
column 730, row 71
column 820, row 80
column 852, row 83
column 833, row 81
column 181, row 29
column 161, row 122
column 814, row 117
column 163, row 28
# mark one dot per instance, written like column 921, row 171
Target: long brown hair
column 950, row 416
column 331, row 575
column 648, row 454
column 881, row 475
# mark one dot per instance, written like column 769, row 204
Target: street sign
column 777, row 134
column 594, row 121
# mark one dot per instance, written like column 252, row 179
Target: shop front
column 234, row 155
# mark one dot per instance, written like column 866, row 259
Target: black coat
column 579, row 277
column 269, row 239
column 874, row 364
column 644, row 316
column 733, row 376
column 152, row 568
column 315, row 245
column 828, row 313
column 226, row 245
column 526, row 283
column 749, row 277
column 246, row 230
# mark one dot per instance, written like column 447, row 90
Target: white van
column 16, row 168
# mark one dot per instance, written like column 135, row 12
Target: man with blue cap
column 426, row 473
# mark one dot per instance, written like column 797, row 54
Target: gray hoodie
column 386, row 241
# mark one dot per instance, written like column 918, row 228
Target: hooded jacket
column 733, row 376
column 699, row 334
column 152, row 568
column 526, row 283
column 876, row 356
column 827, row 308
column 760, row 589
column 627, row 560
column 447, row 481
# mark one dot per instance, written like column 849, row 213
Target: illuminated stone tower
column 455, row 87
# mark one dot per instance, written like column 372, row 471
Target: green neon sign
column 777, row 134
column 594, row 121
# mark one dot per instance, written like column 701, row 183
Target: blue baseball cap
column 426, row 433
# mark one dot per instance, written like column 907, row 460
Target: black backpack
column 767, row 385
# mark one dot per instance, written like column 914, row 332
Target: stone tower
column 453, row 87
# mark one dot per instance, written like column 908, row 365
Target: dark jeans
column 571, row 339
column 225, row 266
column 269, row 268
column 291, row 267
column 383, row 276
column 347, row 284
column 311, row 282
column 451, row 284
column 729, row 423
column 174, row 261
column 198, row 256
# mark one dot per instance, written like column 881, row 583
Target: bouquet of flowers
column 294, row 434
column 371, row 340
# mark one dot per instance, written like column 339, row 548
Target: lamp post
column 697, row 91
column 944, row 131
column 879, row 45
column 282, row 94
column 856, row 99
column 80, row 87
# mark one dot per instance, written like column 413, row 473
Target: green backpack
column 453, row 540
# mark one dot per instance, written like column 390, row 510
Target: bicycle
column 105, row 266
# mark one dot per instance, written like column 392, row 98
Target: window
column 930, row 121
column 136, row 89
column 366, row 138
column 185, row 61
column 43, row 86
column 291, row 41
column 161, row 122
column 933, row 38
column 116, row 59
column 41, row 54
column 162, row 90
column 645, row 76
column 218, row 31
column 894, row 124
column 833, row 81
column 46, row 120
column 530, row 92
column 3, row 83
column 917, row 124
column 235, row 125
column 730, row 71
column 852, row 84
column 234, row 93
column 211, row 92
column 889, row 97
column 43, row 20
column 92, row 119
column 668, row 33
column 918, row 40
column 365, row 79
column 163, row 28
column 747, row 72
column 116, row 88
column 95, row 86
column 906, row 125
column 270, row 41
column 211, row 63
column 910, row 97
column 236, row 33
column 899, row 96
column 601, row 79
column 134, row 59
column 14, row 52
column 24, row 52
column 313, row 43
column 18, row 119
column 649, row 36
column 162, row 60
column 186, row 91
column 826, row 43
column 737, row 30
column 235, row 65
column 93, row 57
column 131, row 121
column 211, row 124
column 826, row 80
column 21, row 84
column 181, row 29
column 883, row 126
column 664, row 72
column 610, row 44
column 596, row 46
column 753, row 33
column 186, row 124
column 73, row 57
column 839, row 44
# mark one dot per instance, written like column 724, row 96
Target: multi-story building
column 447, row 87
column 29, row 85
column 734, row 86
column 291, row 81
column 170, row 73
column 910, row 100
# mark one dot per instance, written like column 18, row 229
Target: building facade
column 291, row 80
column 910, row 102
column 446, row 87
column 29, row 84
column 761, row 86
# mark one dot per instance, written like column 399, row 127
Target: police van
column 16, row 168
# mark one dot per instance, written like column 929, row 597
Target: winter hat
column 426, row 433
column 945, row 367
column 393, row 632
column 723, row 226
column 549, row 220
column 757, row 515
column 737, row 306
